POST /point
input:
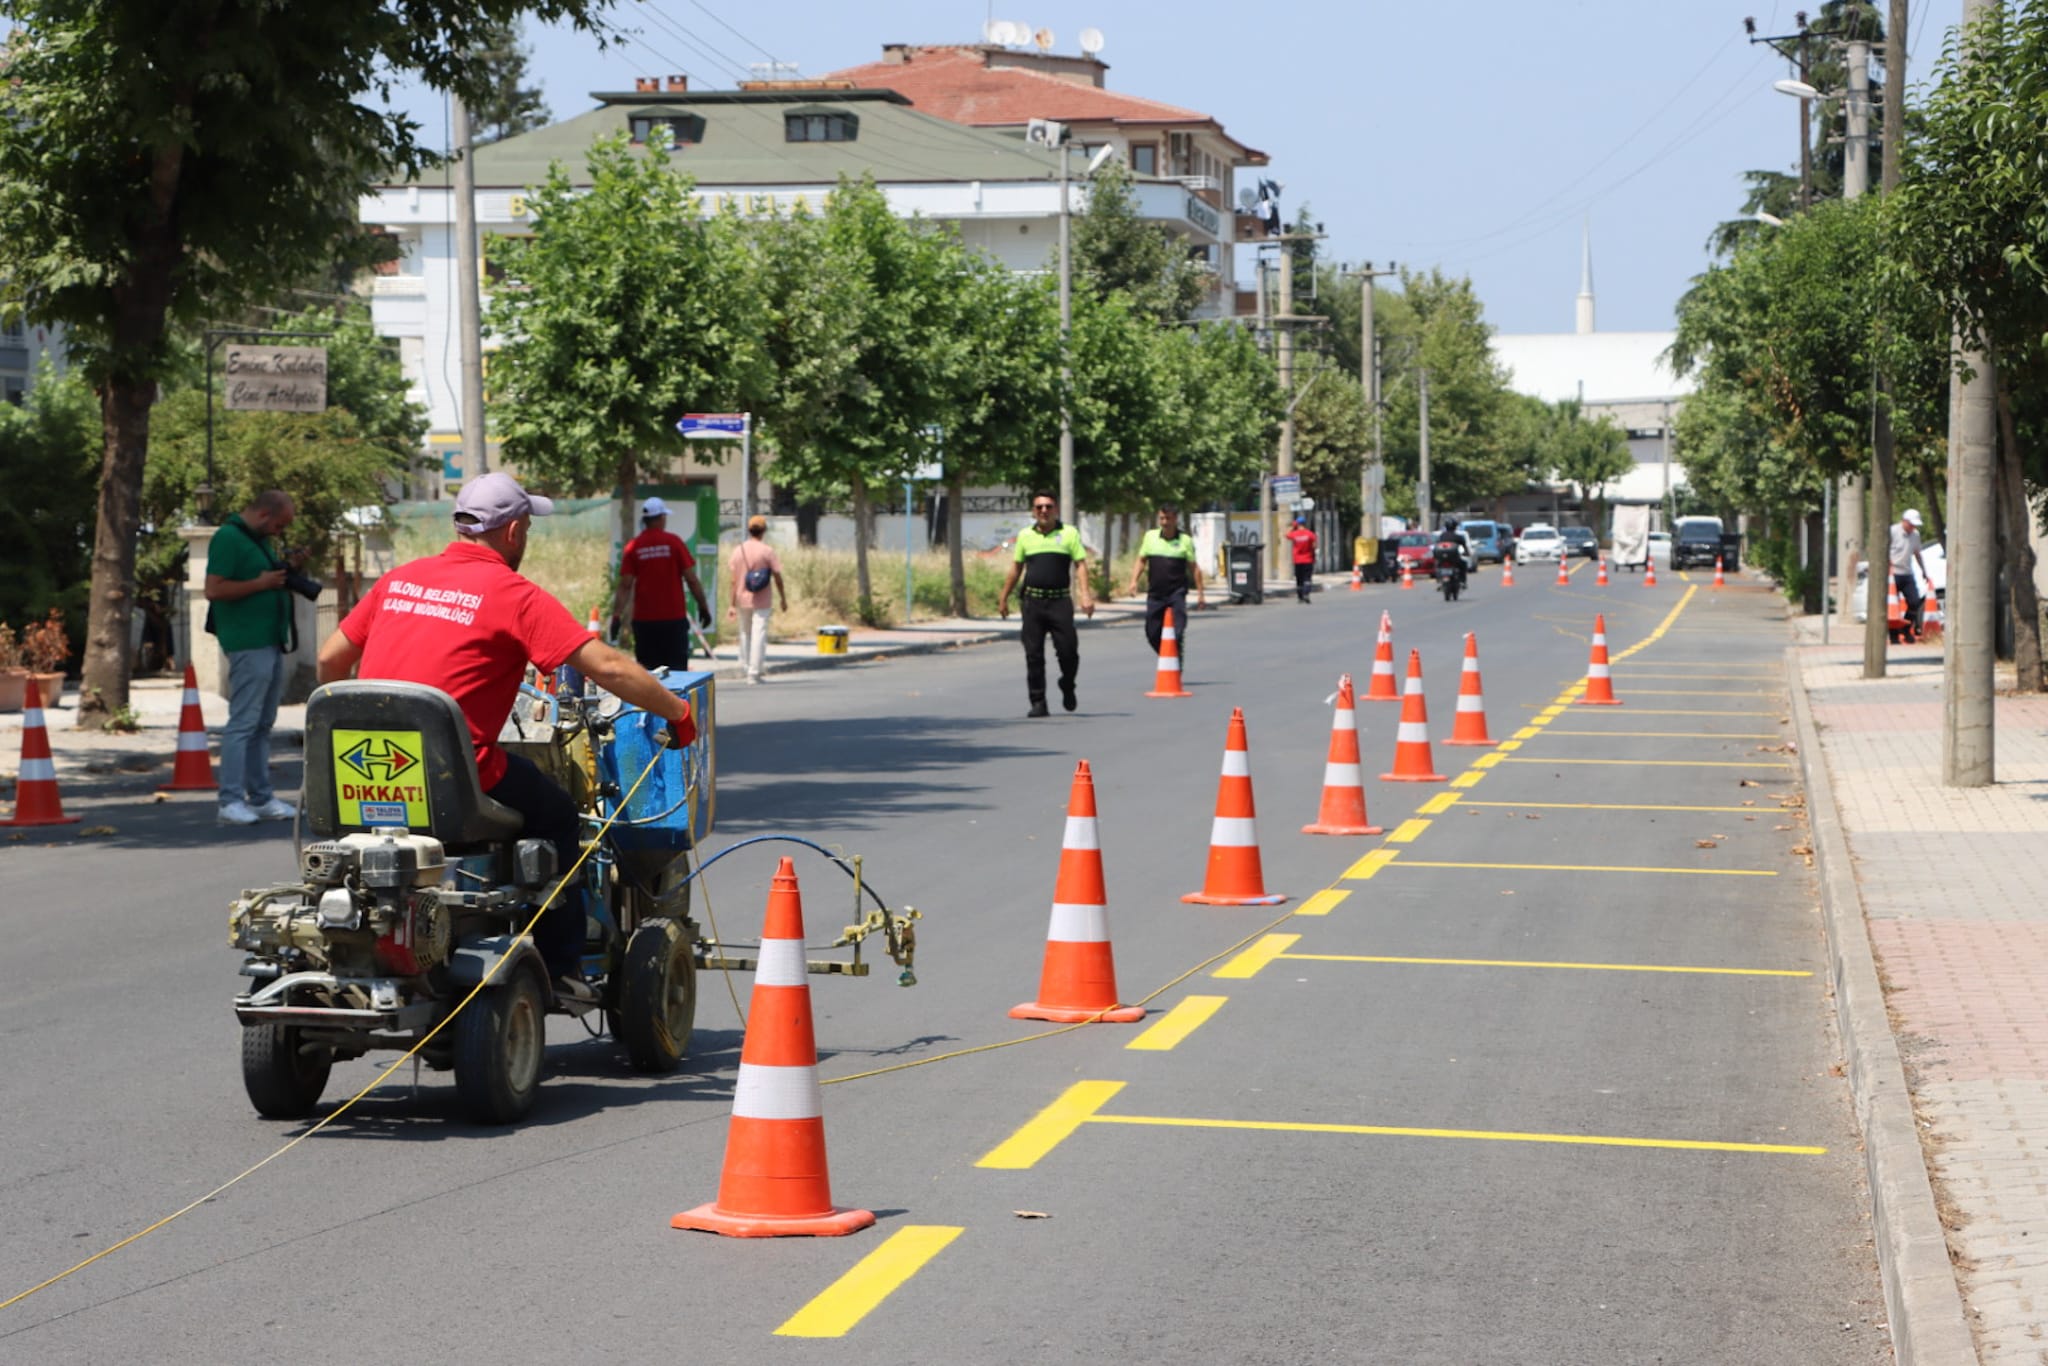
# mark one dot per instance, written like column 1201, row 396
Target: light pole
column 1067, row 507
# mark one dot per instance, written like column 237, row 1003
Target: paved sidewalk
column 1948, row 885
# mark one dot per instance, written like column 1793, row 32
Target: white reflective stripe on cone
column 1079, row 924
column 1234, row 832
column 1169, row 664
column 1597, row 671
column 1471, row 701
column 1236, row 764
column 191, row 698
column 38, row 771
column 191, row 739
column 767, row 1092
column 1347, row 719
column 1081, row 834
column 781, row 964
column 1343, row 775
column 1412, row 733
column 32, row 719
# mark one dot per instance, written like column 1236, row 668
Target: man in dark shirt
column 1054, row 566
column 1166, row 557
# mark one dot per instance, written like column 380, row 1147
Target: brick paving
column 1956, row 902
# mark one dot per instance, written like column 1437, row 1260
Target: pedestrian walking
column 1905, row 556
column 250, row 612
column 1304, row 556
column 754, row 570
column 1054, row 566
column 1167, row 560
column 653, row 571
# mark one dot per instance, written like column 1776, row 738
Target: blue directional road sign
column 713, row 426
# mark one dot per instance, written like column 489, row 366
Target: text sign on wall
column 277, row 379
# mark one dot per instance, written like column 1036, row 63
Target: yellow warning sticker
column 380, row 777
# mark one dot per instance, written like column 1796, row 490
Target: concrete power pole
column 1855, row 182
column 1372, row 478
column 1967, row 749
column 1067, row 509
column 1283, row 350
column 468, row 287
column 1883, row 463
column 1422, row 474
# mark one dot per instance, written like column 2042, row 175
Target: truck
column 1695, row 541
column 1631, row 535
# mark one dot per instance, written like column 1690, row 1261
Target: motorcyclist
column 1448, row 554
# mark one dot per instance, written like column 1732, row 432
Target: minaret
column 1586, row 280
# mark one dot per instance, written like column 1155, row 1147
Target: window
column 1145, row 158
column 14, row 390
column 812, row 125
column 684, row 129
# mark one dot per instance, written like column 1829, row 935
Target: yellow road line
column 1732, row 678
column 1248, row 963
column 1468, row 779
column 1051, row 1126
column 1657, row 763
column 1702, row 692
column 1507, row 745
column 1483, row 1135
column 1653, row 711
column 1513, row 963
column 1440, row 803
column 1486, row 760
column 1658, row 634
column 1677, row 734
column 1609, row 806
column 1176, row 1024
column 1363, row 870
column 1550, row 713
column 1322, row 903
column 1528, row 732
column 1592, row 868
column 1406, row 832
column 848, row 1300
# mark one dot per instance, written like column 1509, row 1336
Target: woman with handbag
column 753, row 571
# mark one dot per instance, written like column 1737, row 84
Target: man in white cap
column 1905, row 556
column 467, row 622
column 653, row 570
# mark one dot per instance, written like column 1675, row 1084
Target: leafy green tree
column 49, row 465
column 1332, row 434
column 167, row 160
column 508, row 106
column 1437, row 323
column 1116, row 251
column 1590, row 452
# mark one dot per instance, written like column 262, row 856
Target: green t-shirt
column 1167, row 563
column 261, row 619
column 1048, row 559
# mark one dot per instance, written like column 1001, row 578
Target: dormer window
column 820, row 125
column 684, row 129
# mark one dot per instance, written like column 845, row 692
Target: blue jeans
column 255, row 686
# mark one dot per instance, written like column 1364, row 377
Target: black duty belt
column 1048, row 592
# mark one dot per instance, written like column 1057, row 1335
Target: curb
column 1922, row 1299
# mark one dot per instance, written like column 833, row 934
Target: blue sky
column 1478, row 138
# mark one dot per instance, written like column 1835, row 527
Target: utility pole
column 1067, row 508
column 1372, row 478
column 1422, row 475
column 1805, row 117
column 1265, row 484
column 1883, row 461
column 468, row 304
column 1283, row 344
column 1855, row 183
column 1967, row 734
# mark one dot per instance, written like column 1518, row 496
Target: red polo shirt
column 655, row 561
column 467, row 623
column 1304, row 544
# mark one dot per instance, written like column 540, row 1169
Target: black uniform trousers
column 1044, row 617
column 550, row 815
column 1155, row 619
column 662, row 644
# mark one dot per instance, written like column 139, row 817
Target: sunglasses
column 1043, row 507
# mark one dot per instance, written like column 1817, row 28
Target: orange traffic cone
column 1358, row 578
column 1600, row 579
column 1563, row 578
column 1413, row 763
column 1380, row 687
column 1407, row 574
column 1719, row 581
column 1895, row 612
column 35, row 790
column 775, row 1182
column 1343, row 810
column 1077, row 985
column 193, row 771
column 1649, row 573
column 1507, row 573
column 1166, row 682
column 1235, row 877
column 1599, row 683
column 1468, row 727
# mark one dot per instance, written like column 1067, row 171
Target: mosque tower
column 1586, row 280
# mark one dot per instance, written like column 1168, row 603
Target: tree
column 1588, row 452
column 166, row 160
column 507, row 106
column 49, row 448
column 1332, row 434
column 1437, row 323
column 1116, row 251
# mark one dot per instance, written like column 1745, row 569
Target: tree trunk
column 1937, row 523
column 861, row 537
column 2019, row 546
column 629, row 486
column 124, row 417
column 956, row 558
column 1816, row 566
column 1883, row 475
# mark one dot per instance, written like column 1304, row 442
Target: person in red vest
column 653, row 571
column 1304, row 556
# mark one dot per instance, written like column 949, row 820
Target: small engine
column 369, row 903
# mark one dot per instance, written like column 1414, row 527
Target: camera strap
column 284, row 597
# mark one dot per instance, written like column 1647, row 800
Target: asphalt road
column 1388, row 1141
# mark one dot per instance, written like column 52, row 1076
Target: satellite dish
column 1015, row 34
column 1044, row 40
column 1247, row 199
column 992, row 31
column 1091, row 41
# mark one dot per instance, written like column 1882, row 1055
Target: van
column 1487, row 540
column 1695, row 541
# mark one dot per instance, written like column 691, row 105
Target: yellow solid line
column 1363, row 870
column 851, row 1298
column 1594, row 868
column 1610, row 806
column 1585, row 1140
column 1652, row 711
column 1248, row 963
column 1440, row 803
column 1322, row 903
column 1528, row 732
column 1658, row 763
column 1407, row 831
column 1733, row 678
column 1702, row 692
column 1176, row 1024
column 1468, row 779
column 1512, row 963
column 1662, row 627
column 1051, row 1126
column 1678, row 734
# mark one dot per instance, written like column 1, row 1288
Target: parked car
column 1538, row 541
column 1580, row 540
column 1413, row 550
column 1933, row 582
column 1696, row 541
column 1491, row 542
column 1660, row 549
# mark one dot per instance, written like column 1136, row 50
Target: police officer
column 1167, row 557
column 1054, row 566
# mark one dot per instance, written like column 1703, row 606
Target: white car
column 1931, row 575
column 1539, row 542
column 1660, row 549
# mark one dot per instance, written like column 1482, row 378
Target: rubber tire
column 657, row 996
column 283, row 1081
column 500, row 1041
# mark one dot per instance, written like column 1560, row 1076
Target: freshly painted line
column 1649, row 763
column 1051, row 1126
column 1732, row 678
column 1437, row 805
column 1406, row 832
column 1513, row 963
column 1470, row 779
column 1550, row 713
column 1485, row 1135
column 1363, row 870
column 1652, row 711
column 1176, row 1024
column 1610, row 806
column 1703, row 692
column 1594, row 868
column 1486, row 760
column 1323, row 902
column 1665, row 625
column 1507, row 745
column 851, row 1298
column 1528, row 732
column 1678, row 734
column 1248, row 963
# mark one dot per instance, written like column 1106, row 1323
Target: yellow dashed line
column 1365, row 868
column 1051, row 1126
column 1248, row 963
column 1528, row 732
column 1322, row 903
column 853, row 1296
column 1407, row 831
column 1176, row 1024
column 1440, row 803
column 1469, row 779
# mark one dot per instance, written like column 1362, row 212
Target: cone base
column 1381, row 697
column 190, row 785
column 1342, row 830
column 1205, row 899
column 1599, row 702
column 1183, row 693
column 835, row 1224
column 1032, row 1010
column 1414, row 778
column 19, row 823
column 1487, row 743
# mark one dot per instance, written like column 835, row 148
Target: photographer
column 248, row 585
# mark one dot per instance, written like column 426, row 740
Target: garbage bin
column 1731, row 551
column 1247, row 571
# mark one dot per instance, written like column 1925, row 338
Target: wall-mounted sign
column 1202, row 216
column 276, row 379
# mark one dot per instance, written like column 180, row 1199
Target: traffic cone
column 1380, row 687
column 1235, row 876
column 775, row 1182
column 1077, row 985
column 1468, row 727
column 1358, row 578
column 1407, row 574
column 1563, row 579
column 1413, row 763
column 1599, row 683
column 1166, row 682
column 1600, row 579
column 1719, row 581
column 1343, row 809
column 35, row 790
column 1650, row 573
column 193, row 771
column 1507, row 573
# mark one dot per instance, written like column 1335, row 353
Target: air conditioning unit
column 1045, row 133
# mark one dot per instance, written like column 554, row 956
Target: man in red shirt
column 1304, row 556
column 652, row 572
column 465, row 621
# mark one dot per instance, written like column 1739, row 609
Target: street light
column 1769, row 218
column 1798, row 90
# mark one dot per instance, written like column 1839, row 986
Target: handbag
column 757, row 578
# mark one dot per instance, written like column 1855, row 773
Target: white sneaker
column 238, row 813
column 277, row 809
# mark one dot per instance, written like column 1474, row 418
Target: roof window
column 820, row 125
column 684, row 129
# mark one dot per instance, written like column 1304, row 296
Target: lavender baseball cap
column 490, row 502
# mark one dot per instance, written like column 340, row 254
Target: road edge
column 1923, row 1301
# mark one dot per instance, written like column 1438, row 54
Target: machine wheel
column 284, row 1080
column 657, row 996
column 499, row 1042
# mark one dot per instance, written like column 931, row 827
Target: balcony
column 398, row 286
column 1199, row 183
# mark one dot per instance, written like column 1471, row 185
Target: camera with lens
column 305, row 585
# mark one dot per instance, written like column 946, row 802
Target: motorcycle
column 1450, row 576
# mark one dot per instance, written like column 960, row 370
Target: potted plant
column 44, row 648
column 13, row 677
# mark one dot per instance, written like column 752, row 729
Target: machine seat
column 385, row 754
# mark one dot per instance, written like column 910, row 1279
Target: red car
column 1413, row 550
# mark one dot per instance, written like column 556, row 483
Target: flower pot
column 49, row 687
column 13, row 689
